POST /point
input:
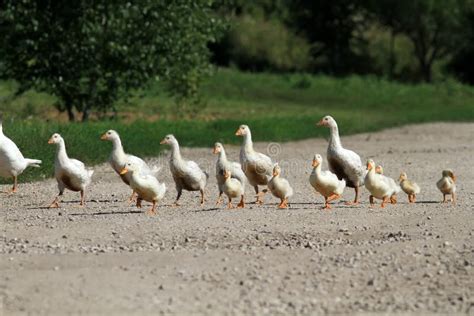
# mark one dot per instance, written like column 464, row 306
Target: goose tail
column 33, row 162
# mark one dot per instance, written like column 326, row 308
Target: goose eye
column 108, row 133
column 326, row 119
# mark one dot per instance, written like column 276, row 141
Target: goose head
column 129, row 167
column 169, row 140
column 227, row 174
column 317, row 160
column 327, row 121
column 276, row 170
column 379, row 169
column 55, row 139
column 242, row 130
column 449, row 173
column 403, row 176
column 370, row 164
column 109, row 135
column 218, row 148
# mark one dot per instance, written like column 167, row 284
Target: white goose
column 118, row 158
column 256, row 166
column 147, row 186
column 280, row 187
column 345, row 163
column 233, row 188
column 69, row 173
column 186, row 173
column 380, row 186
column 234, row 168
column 326, row 182
column 12, row 162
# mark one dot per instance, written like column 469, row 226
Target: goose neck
column 117, row 148
column 61, row 154
column 334, row 140
column 248, row 144
column 175, row 152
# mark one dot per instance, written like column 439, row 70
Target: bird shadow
column 106, row 213
column 209, row 209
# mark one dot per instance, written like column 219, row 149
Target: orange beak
column 238, row 132
column 215, row 151
column 320, row 123
column 369, row 166
column 315, row 163
column 50, row 141
column 163, row 141
column 124, row 171
column 104, row 136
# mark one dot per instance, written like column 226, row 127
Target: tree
column 332, row 28
column 91, row 53
column 434, row 27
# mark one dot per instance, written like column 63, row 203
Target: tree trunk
column 70, row 113
column 392, row 55
column 426, row 71
column 85, row 114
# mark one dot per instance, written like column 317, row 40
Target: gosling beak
column 238, row 132
column 124, row 171
column 163, row 141
column 369, row 166
column 214, row 151
column 315, row 163
column 320, row 123
column 50, row 141
column 103, row 137
column 454, row 178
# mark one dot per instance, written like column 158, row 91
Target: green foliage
column 275, row 106
column 258, row 44
column 90, row 53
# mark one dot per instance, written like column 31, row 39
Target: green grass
column 277, row 108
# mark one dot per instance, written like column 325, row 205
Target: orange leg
column 202, row 197
column 152, row 210
column 83, row 200
column 55, row 203
column 326, row 204
column 282, row 204
column 15, row 185
column 139, row 202
column 384, row 201
column 444, row 198
column 219, row 200
column 393, row 199
column 241, row 203
column 453, row 198
column 371, row 200
column 132, row 197
column 356, row 198
column 229, row 205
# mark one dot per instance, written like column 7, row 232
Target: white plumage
column 280, row 187
column 187, row 174
column 147, row 186
column 345, row 163
column 380, row 186
column 118, row 158
column 325, row 182
column 12, row 162
column 235, row 169
column 69, row 173
column 256, row 166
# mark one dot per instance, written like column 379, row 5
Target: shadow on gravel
column 107, row 213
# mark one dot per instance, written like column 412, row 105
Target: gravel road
column 111, row 258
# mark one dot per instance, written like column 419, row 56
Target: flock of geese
column 345, row 170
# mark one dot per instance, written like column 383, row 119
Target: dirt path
column 109, row 258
